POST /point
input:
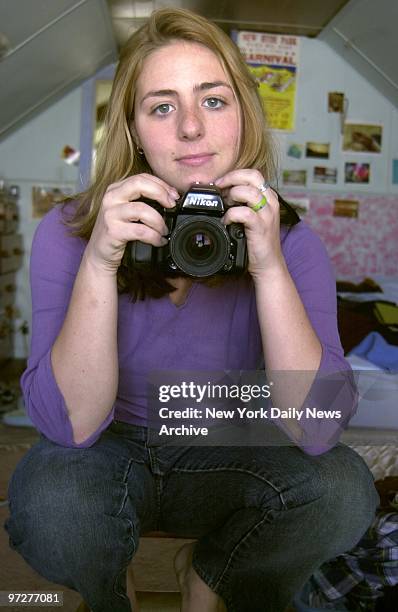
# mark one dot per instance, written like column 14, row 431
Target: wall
column 357, row 246
column 29, row 157
column 321, row 71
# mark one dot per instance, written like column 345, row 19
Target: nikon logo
column 201, row 201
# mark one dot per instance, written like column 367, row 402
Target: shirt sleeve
column 332, row 398
column 54, row 263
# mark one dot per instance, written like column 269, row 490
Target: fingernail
column 163, row 241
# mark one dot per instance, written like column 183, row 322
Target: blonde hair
column 118, row 156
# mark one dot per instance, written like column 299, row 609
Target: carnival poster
column 273, row 59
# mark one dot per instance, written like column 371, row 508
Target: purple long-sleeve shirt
column 215, row 329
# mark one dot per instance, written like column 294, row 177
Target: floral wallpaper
column 357, row 246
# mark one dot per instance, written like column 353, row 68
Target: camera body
column 199, row 244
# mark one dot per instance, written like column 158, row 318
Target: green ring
column 263, row 202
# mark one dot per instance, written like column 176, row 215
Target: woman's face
column 186, row 115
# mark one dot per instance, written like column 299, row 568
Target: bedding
column 373, row 430
column 357, row 310
column 378, row 396
column 388, row 285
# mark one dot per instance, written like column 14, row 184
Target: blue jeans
column 265, row 517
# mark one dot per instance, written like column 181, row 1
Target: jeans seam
column 159, row 488
column 238, row 544
column 235, row 469
column 125, row 483
column 132, row 541
column 215, row 585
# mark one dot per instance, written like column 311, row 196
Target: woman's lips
column 195, row 160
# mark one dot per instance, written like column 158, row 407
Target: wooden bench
column 152, row 568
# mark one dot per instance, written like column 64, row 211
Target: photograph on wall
column 273, row 60
column 317, row 149
column 325, row 175
column 45, row 198
column 362, row 138
column 294, row 177
column 295, row 150
column 300, row 205
column 70, row 155
column 356, row 173
column 346, row 208
column 335, row 102
column 395, row 171
column 102, row 94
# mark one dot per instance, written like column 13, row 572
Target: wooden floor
column 16, row 575
column 159, row 602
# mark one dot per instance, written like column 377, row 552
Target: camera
column 199, row 244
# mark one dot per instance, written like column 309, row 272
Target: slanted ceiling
column 48, row 47
column 364, row 33
column 300, row 17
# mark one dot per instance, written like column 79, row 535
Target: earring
column 140, row 151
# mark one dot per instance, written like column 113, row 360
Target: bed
column 373, row 431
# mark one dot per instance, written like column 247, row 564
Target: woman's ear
column 133, row 133
column 135, row 138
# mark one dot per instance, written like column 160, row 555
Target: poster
column 273, row 59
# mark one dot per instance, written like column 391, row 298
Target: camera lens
column 201, row 247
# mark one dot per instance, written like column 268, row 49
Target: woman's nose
column 190, row 125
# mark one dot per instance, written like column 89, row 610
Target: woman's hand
column 123, row 218
column 261, row 226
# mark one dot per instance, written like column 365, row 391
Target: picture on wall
column 294, row 177
column 335, row 102
column 300, row 205
column 295, row 150
column 45, row 198
column 273, row 61
column 317, row 149
column 346, row 208
column 102, row 94
column 325, row 175
column 362, row 138
column 395, row 171
column 356, row 173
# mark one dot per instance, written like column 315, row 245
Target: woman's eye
column 214, row 103
column 163, row 109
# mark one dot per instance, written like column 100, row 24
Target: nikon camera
column 199, row 245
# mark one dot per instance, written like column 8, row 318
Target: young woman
column 184, row 109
